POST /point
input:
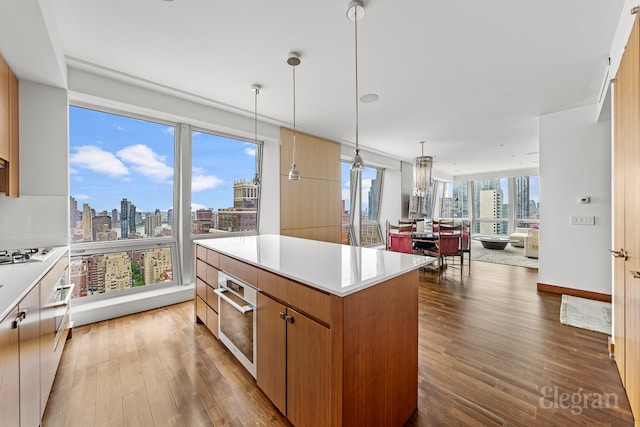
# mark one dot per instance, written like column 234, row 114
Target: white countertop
column 337, row 269
column 18, row 279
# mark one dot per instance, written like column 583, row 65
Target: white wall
column 40, row 216
column 575, row 160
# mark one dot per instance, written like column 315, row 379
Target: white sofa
column 531, row 243
column 520, row 234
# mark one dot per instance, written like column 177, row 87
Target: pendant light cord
column 294, row 114
column 356, row 44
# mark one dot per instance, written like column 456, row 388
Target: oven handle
column 69, row 289
column 243, row 309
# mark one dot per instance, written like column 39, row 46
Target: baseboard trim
column 543, row 287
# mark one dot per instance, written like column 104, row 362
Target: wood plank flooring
column 491, row 352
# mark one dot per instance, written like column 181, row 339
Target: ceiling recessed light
column 370, row 97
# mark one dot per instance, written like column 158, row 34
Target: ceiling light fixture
column 355, row 11
column 294, row 61
column 422, row 173
column 256, row 90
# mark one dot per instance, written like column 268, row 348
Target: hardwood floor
column 491, row 352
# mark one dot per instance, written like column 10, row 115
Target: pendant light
column 256, row 90
column 294, row 61
column 422, row 173
column 355, row 11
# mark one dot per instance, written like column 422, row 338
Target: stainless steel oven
column 237, row 321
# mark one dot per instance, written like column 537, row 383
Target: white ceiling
column 469, row 77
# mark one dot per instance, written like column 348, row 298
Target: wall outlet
column 582, row 220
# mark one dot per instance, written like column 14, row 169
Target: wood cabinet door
column 626, row 210
column 308, row 371
column 271, row 364
column 29, row 332
column 4, row 110
column 9, row 371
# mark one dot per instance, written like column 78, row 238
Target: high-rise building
column 117, row 271
column 522, row 198
column 491, row 206
column 373, row 201
column 203, row 221
column 100, row 224
column 170, row 217
column 124, row 218
column 86, row 222
column 115, row 217
column 73, row 212
column 157, row 265
column 153, row 224
column 78, row 268
column 106, row 234
column 96, row 274
column 243, row 215
column 446, row 204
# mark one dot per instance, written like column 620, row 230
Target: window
column 491, row 206
column 527, row 195
column 223, row 196
column 453, row 200
column 371, row 185
column 120, row 177
column 121, row 183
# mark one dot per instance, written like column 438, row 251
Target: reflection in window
column 371, row 196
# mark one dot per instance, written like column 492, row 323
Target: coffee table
column 494, row 242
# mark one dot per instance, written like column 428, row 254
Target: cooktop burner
column 17, row 256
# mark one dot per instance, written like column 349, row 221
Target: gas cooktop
column 17, row 256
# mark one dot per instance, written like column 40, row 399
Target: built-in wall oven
column 237, row 319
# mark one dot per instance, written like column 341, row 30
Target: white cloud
column 366, row 185
column 201, row 182
column 146, row 162
column 81, row 197
column 196, row 206
column 98, row 160
column 250, row 151
column 73, row 171
column 118, row 127
column 170, row 130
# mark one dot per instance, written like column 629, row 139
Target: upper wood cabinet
column 9, row 133
column 4, row 111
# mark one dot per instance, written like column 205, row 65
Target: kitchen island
column 336, row 326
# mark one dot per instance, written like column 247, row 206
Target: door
column 308, row 371
column 9, row 371
column 29, row 332
column 626, row 211
column 271, row 368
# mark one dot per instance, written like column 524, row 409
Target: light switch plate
column 582, row 220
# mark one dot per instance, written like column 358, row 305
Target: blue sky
column 112, row 157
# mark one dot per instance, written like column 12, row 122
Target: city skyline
column 113, row 156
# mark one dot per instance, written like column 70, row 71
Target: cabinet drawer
column 201, row 252
column 213, row 258
column 212, row 276
column 239, row 269
column 201, row 288
column 201, row 269
column 212, row 299
column 212, row 321
column 310, row 301
column 201, row 310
